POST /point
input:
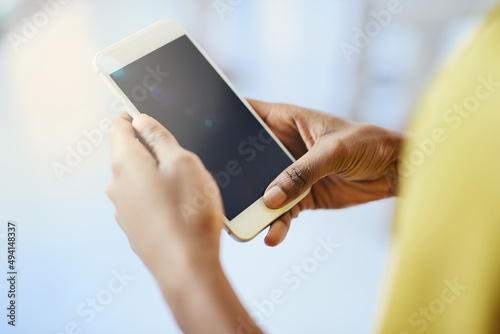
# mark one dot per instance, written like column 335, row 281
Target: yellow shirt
column 445, row 274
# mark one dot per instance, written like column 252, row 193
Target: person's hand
column 153, row 185
column 171, row 210
column 344, row 163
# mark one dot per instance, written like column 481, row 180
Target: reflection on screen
column 176, row 85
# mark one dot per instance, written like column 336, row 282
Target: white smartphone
column 162, row 72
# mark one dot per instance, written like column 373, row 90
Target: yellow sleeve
column 445, row 271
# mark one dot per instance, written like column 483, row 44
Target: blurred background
column 77, row 273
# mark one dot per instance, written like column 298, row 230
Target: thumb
column 297, row 178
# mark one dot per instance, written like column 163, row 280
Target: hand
column 344, row 163
column 153, row 186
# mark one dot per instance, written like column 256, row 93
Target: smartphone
column 162, row 72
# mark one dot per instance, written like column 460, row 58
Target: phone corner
column 95, row 62
column 237, row 236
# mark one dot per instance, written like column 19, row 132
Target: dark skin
column 344, row 163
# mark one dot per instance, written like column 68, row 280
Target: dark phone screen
column 176, row 85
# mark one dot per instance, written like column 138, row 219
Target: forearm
column 203, row 301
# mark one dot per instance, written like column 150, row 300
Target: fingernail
column 142, row 123
column 274, row 197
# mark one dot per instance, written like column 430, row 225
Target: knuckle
column 112, row 125
column 110, row 189
column 299, row 175
column 373, row 133
column 286, row 110
column 180, row 163
column 187, row 158
column 117, row 122
column 342, row 157
column 155, row 135
column 116, row 165
column 371, row 128
column 339, row 146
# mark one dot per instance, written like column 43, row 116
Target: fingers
column 278, row 231
column 297, row 178
column 160, row 142
column 125, row 149
column 262, row 108
column 279, row 228
column 122, row 134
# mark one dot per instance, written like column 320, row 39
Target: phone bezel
column 257, row 216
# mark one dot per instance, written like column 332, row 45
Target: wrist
column 201, row 298
column 202, row 301
column 174, row 265
column 394, row 171
column 169, row 252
